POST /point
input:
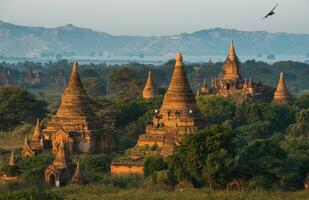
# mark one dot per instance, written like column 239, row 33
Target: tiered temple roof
column 149, row 89
column 177, row 116
column 281, row 95
column 74, row 113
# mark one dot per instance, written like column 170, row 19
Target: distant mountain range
column 26, row 41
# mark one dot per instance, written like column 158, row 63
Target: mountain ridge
column 30, row 41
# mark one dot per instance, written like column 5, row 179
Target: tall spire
column 231, row 68
column 12, row 161
column 149, row 89
column 37, row 131
column 76, row 179
column 281, row 95
column 204, row 88
column 74, row 99
column 179, row 94
column 232, row 54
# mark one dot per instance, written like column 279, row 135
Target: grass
column 100, row 192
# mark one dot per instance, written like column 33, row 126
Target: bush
column 29, row 195
column 153, row 163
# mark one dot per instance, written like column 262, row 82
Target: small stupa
column 149, row 91
column 281, row 95
column 76, row 179
column 12, row 161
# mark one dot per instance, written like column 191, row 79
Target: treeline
column 133, row 75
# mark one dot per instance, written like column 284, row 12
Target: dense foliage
column 18, row 106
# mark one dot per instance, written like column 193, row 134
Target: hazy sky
column 159, row 17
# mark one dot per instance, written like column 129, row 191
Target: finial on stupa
column 149, row 89
column 232, row 54
column 178, row 58
column 75, row 66
column 12, row 161
column 281, row 93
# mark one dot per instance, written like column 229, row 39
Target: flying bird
column 271, row 12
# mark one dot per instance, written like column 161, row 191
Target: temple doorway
column 52, row 179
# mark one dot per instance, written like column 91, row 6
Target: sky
column 159, row 17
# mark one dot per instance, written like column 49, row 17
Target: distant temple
column 230, row 81
column 178, row 116
column 75, row 123
column 5, row 76
column 149, row 91
column 60, row 79
column 33, row 78
column 281, row 95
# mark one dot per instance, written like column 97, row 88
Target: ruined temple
column 230, row 81
column 33, row 78
column 281, row 95
column 204, row 90
column 75, row 123
column 35, row 145
column 149, row 91
column 4, row 76
column 178, row 116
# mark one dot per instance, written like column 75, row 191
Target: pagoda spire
column 231, row 66
column 232, row 54
column 281, row 94
column 149, row 89
column 76, row 179
column 37, row 131
column 12, row 161
column 204, row 88
column 179, row 95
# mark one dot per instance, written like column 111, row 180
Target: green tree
column 204, row 158
column 152, row 164
column 18, row 106
column 216, row 109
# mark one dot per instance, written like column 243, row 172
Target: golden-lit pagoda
column 56, row 173
column 149, row 91
column 177, row 116
column 281, row 95
column 12, row 161
column 230, row 81
column 75, row 123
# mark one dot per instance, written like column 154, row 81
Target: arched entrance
column 228, row 86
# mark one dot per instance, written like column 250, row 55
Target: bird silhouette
column 271, row 12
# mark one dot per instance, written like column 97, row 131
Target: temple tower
column 281, row 95
column 75, row 123
column 177, row 116
column 149, row 89
column 231, row 67
column 204, row 88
